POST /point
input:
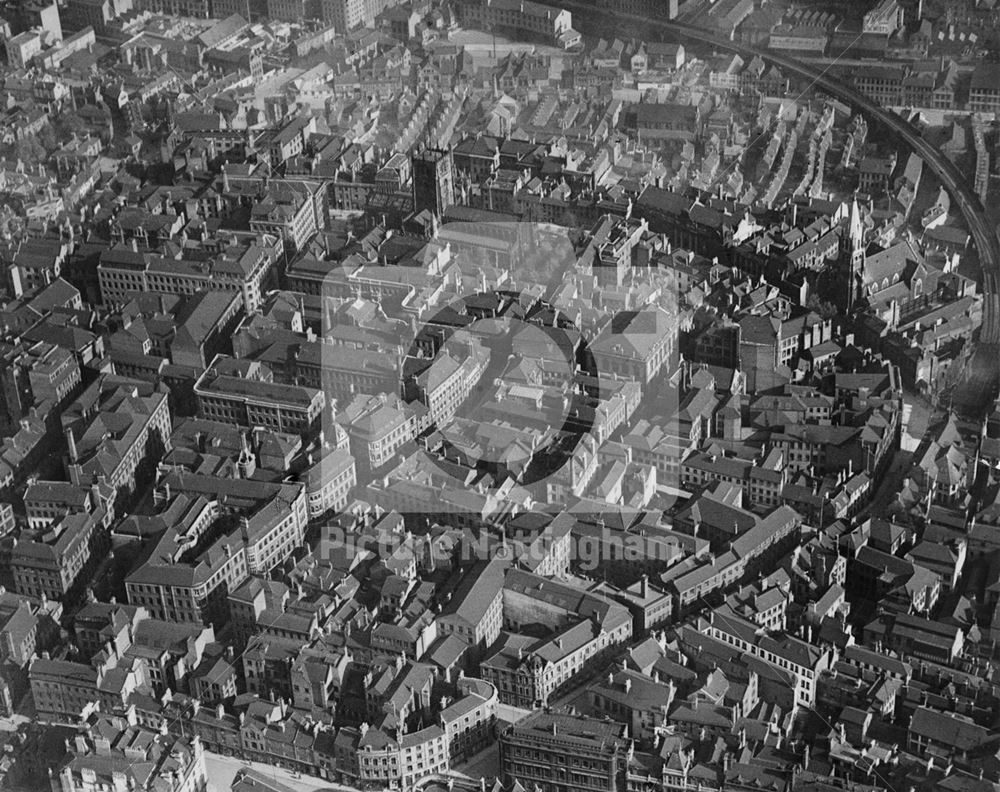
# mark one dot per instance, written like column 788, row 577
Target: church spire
column 854, row 251
column 856, row 229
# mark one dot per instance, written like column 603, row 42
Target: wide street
column 485, row 764
column 222, row 770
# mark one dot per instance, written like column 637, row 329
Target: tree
column 826, row 309
column 155, row 447
column 47, row 138
column 123, row 500
column 29, row 151
column 70, row 124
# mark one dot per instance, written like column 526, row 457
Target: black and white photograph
column 500, row 395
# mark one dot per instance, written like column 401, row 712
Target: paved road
column 983, row 374
column 222, row 769
column 888, row 486
column 485, row 764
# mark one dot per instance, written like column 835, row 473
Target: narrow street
column 888, row 486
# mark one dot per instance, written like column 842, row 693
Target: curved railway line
column 982, row 376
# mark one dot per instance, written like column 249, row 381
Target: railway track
column 983, row 375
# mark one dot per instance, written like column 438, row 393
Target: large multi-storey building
column 474, row 614
column 34, row 372
column 177, row 8
column 329, row 482
column 448, row 380
column 984, row 89
column 182, row 580
column 518, row 18
column 460, row 728
column 62, row 689
column 290, row 209
column 293, row 10
column 43, row 14
column 23, row 47
column 377, row 429
column 183, row 583
column 276, row 529
column 344, row 14
column 636, row 344
column 124, row 271
column 19, row 630
column 347, row 15
column 48, row 562
column 802, row 660
column 579, row 626
column 558, row 752
column 614, row 247
column 884, row 84
column 108, row 430
column 254, row 399
column 67, row 691
column 96, row 14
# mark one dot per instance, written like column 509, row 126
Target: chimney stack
column 71, row 443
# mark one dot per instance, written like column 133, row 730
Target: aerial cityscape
column 500, row 396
